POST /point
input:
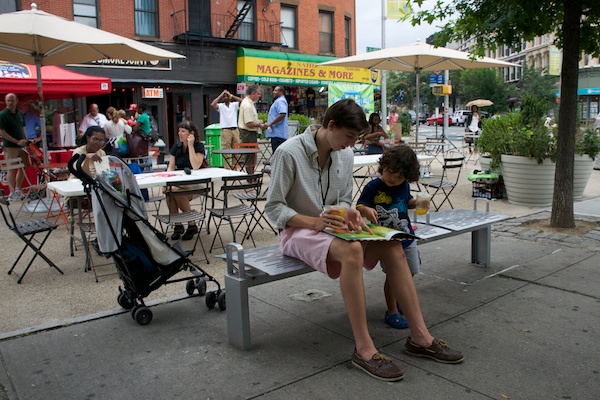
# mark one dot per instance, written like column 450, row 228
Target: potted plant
column 525, row 149
column 587, row 147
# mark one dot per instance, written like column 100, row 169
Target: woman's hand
column 190, row 141
column 95, row 157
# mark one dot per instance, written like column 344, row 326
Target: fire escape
column 239, row 18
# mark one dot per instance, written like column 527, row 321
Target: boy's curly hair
column 401, row 159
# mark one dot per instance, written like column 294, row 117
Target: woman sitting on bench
column 322, row 159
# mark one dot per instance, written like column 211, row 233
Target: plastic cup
column 338, row 210
column 423, row 200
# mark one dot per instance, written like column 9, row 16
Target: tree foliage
column 493, row 23
column 484, row 83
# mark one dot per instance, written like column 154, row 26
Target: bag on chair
column 137, row 144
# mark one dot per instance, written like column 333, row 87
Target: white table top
column 74, row 187
column 373, row 159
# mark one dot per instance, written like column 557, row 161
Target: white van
column 460, row 117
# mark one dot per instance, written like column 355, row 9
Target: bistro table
column 233, row 162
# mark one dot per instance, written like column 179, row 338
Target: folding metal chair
column 199, row 190
column 242, row 214
column 253, row 198
column 35, row 191
column 247, row 161
column 444, row 185
column 26, row 231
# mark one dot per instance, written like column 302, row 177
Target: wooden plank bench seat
column 257, row 266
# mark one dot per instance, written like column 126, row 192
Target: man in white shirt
column 228, row 119
column 94, row 118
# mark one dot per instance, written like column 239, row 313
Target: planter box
column 526, row 182
column 582, row 170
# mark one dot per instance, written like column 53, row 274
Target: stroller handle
column 74, row 166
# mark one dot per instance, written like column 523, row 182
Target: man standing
column 228, row 121
column 14, row 137
column 249, row 123
column 33, row 127
column 277, row 126
column 94, row 118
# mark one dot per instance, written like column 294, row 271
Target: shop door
column 179, row 106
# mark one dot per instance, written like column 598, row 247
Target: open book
column 380, row 233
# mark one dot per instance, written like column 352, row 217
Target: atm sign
column 153, row 93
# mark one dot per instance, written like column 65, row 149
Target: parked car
column 438, row 121
column 413, row 117
column 460, row 117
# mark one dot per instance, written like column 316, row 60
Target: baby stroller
column 143, row 257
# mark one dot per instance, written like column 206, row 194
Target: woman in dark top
column 373, row 134
column 188, row 152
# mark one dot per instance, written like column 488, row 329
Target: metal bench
column 257, row 266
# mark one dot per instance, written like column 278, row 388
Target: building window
column 146, row 18
column 86, row 12
column 325, row 32
column 347, row 30
column 246, row 29
column 8, row 6
column 288, row 26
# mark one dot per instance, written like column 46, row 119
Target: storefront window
column 86, row 12
column 288, row 26
column 146, row 18
column 325, row 32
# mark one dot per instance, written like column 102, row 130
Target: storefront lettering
column 293, row 71
column 341, row 75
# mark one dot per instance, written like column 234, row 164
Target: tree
column 493, row 23
column 484, row 83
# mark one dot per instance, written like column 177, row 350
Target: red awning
column 57, row 83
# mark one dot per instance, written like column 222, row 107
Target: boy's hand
column 368, row 213
column 355, row 221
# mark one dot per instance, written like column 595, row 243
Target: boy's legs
column 414, row 263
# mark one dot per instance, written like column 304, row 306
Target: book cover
column 380, row 233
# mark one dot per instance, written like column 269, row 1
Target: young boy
column 385, row 201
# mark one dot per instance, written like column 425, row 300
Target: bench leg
column 238, row 314
column 481, row 246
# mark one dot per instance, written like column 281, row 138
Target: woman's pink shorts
column 312, row 247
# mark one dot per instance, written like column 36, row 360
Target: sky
column 368, row 27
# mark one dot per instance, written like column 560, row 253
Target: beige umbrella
column 417, row 57
column 480, row 103
column 36, row 37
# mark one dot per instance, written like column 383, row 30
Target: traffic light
column 441, row 90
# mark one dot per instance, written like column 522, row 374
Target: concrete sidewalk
column 528, row 327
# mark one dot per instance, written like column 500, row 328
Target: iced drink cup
column 423, row 199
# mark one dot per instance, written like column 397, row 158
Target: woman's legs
column 350, row 255
column 402, row 287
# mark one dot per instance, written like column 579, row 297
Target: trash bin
column 213, row 142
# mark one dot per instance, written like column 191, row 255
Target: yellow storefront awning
column 295, row 69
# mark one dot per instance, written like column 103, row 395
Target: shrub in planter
column 588, row 143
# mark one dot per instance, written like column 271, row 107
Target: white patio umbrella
column 36, row 37
column 479, row 103
column 417, row 57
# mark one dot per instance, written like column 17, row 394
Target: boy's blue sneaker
column 396, row 321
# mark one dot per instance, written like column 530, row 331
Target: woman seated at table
column 93, row 143
column 182, row 157
column 373, row 134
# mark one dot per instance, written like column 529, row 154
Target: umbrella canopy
column 480, row 103
column 36, row 37
column 417, row 57
column 58, row 82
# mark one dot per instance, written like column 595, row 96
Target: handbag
column 137, row 144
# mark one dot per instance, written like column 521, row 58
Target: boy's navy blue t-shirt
column 391, row 204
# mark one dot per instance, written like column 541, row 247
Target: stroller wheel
column 211, row 300
column 143, row 315
column 221, row 300
column 125, row 300
column 190, row 286
column 201, row 287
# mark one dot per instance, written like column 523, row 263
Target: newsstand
column 213, row 142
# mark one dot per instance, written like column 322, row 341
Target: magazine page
column 380, row 233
